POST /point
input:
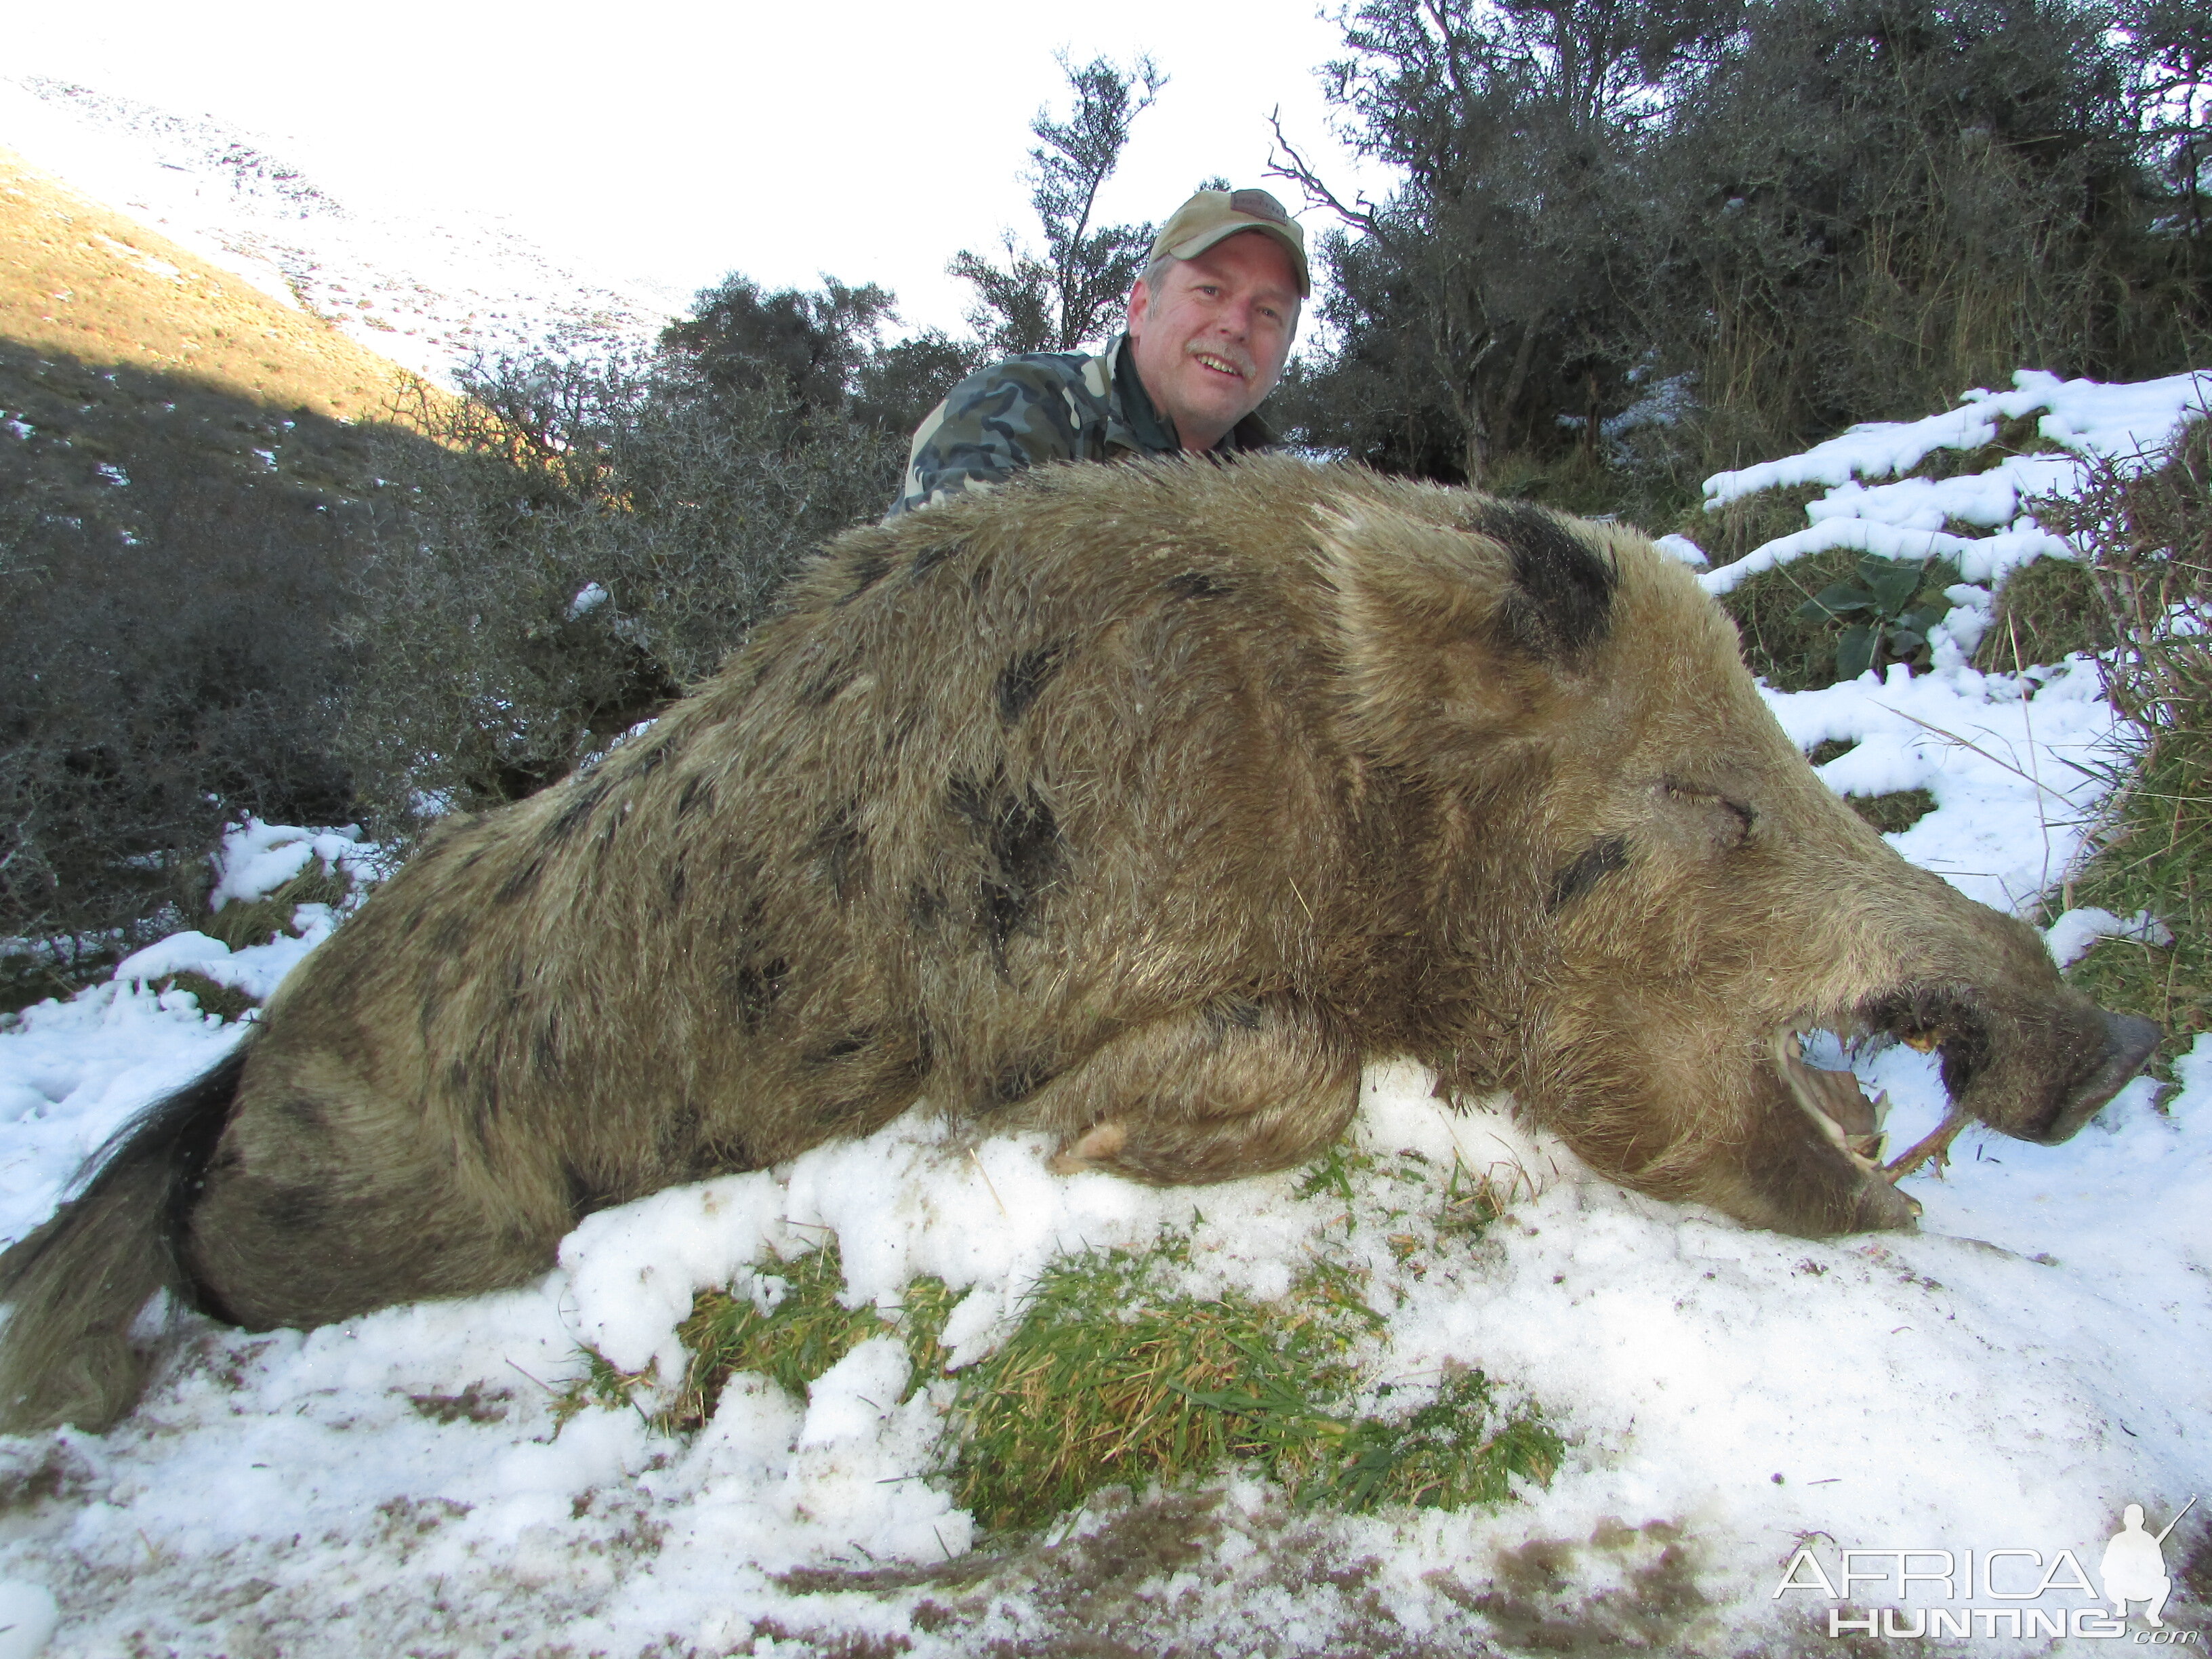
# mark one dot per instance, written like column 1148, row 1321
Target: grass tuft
column 241, row 923
column 226, row 1002
column 2045, row 612
column 1446, row 1454
column 1898, row 810
column 2149, row 536
column 1117, row 1376
column 804, row 1331
column 1111, row 1380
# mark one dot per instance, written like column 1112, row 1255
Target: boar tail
column 77, row 1284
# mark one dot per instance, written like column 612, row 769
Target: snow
column 2006, row 1379
column 431, row 293
column 2088, row 420
column 2070, row 937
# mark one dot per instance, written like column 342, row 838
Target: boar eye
column 1732, row 819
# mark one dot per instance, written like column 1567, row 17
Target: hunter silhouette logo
column 2013, row 1594
column 2134, row 1568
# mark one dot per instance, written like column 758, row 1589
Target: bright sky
column 677, row 140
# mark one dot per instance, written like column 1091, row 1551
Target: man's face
column 1209, row 344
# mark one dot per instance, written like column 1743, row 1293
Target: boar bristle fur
column 1140, row 805
column 77, row 1284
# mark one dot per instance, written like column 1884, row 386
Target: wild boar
column 1140, row 804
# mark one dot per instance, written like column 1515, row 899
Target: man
column 1210, row 322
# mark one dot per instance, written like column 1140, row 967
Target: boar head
column 1657, row 895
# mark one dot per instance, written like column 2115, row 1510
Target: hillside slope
column 431, row 293
column 80, row 280
column 187, row 475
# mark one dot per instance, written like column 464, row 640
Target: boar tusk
column 1807, row 1087
column 1938, row 1145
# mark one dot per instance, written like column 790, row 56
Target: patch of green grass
column 803, row 1333
column 226, row 1002
column 1115, row 1377
column 1458, row 1450
column 2150, row 533
column 1900, row 810
column 1111, row 1381
column 2045, row 612
column 1749, row 522
column 2156, row 855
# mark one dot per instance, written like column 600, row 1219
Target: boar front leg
column 1235, row 1088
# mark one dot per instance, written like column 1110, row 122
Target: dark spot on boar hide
column 446, row 938
column 585, row 1194
column 545, row 1047
column 1563, row 598
column 838, row 847
column 572, row 817
column 675, row 883
column 925, row 908
column 823, row 689
column 758, row 987
column 648, row 761
column 1197, row 585
column 303, row 1111
column 1018, row 1079
column 1024, row 678
column 1237, row 1013
column 867, row 571
column 1589, row 866
column 844, row 1048
column 677, row 1139
column 930, row 554
column 723, row 1155
column 293, row 1209
column 477, row 1089
column 698, row 792
column 1021, row 837
column 519, row 882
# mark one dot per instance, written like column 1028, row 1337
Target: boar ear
column 1463, row 628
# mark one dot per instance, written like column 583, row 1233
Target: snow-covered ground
column 1748, row 1418
column 430, row 292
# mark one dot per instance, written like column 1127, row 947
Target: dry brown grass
column 86, row 282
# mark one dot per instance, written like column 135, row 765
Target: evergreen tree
column 1068, row 297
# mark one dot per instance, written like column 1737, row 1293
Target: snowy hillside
column 430, row 293
column 1738, row 1409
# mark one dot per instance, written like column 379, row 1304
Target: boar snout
column 2128, row 1041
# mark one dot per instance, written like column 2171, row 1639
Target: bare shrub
column 603, row 530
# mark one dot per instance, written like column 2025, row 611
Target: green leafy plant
column 1886, row 612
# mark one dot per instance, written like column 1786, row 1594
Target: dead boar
column 1143, row 805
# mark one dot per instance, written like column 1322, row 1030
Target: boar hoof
column 1095, row 1146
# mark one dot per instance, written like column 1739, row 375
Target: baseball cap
column 1212, row 215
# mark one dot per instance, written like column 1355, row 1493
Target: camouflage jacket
column 1044, row 406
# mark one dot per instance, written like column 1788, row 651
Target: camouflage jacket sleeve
column 1045, row 406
